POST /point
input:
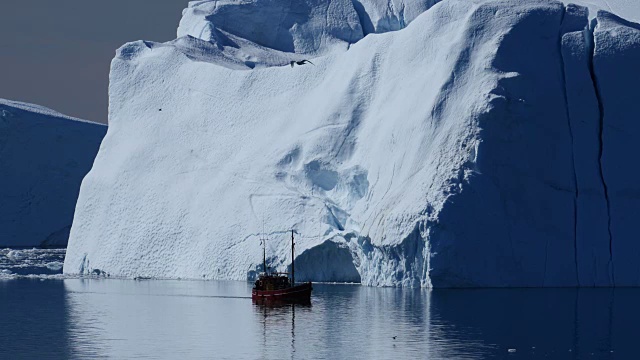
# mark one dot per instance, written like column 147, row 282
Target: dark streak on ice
column 573, row 158
column 592, row 47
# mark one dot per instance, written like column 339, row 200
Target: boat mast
column 264, row 250
column 264, row 255
column 293, row 268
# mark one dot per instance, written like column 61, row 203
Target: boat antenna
column 293, row 268
column 264, row 249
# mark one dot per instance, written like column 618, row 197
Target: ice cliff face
column 43, row 157
column 484, row 144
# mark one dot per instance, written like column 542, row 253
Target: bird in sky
column 302, row 62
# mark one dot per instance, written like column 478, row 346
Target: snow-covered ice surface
column 304, row 26
column 288, row 26
column 253, row 34
column 486, row 143
column 43, row 157
column 627, row 9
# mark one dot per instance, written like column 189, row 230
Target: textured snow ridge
column 389, row 15
column 43, row 157
column 250, row 34
column 479, row 146
column 236, row 33
column 309, row 26
column 303, row 26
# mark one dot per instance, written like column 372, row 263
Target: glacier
column 43, row 157
column 480, row 143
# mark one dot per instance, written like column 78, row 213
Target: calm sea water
column 127, row 319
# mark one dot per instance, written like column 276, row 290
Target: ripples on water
column 125, row 319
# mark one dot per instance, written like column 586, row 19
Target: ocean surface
column 52, row 317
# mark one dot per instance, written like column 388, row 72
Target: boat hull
column 295, row 294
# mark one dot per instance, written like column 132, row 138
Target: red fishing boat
column 277, row 287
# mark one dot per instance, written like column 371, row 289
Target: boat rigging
column 278, row 286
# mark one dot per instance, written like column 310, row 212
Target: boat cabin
column 270, row 282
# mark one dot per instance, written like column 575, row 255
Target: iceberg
column 452, row 144
column 43, row 157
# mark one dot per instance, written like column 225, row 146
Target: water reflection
column 160, row 319
column 196, row 319
column 560, row 323
column 33, row 320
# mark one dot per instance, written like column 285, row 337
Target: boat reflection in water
column 277, row 288
column 123, row 319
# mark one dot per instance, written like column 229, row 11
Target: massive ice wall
column 478, row 146
column 616, row 77
column 43, row 157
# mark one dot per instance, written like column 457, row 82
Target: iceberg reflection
column 210, row 319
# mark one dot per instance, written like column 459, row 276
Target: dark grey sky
column 57, row 53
